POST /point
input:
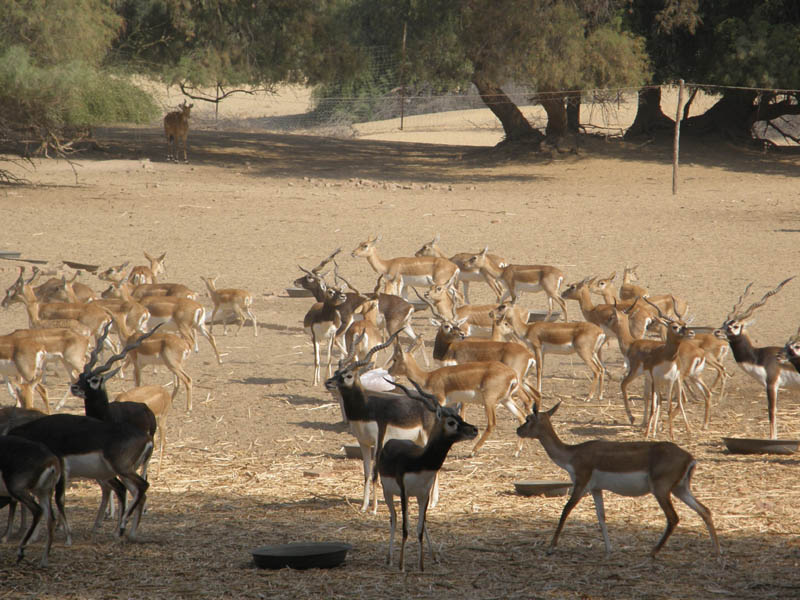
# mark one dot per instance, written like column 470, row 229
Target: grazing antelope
column 410, row 271
column 762, row 364
column 466, row 275
column 408, row 470
column 176, row 128
column 148, row 274
column 581, row 338
column 322, row 321
column 159, row 349
column 28, row 474
column 523, row 278
column 488, row 383
column 626, row 468
column 374, row 417
column 230, row 300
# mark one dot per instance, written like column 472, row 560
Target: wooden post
column 676, row 144
column 403, row 77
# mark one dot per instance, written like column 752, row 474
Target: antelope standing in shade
column 176, row 128
column 626, row 468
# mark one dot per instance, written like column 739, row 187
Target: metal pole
column 676, row 144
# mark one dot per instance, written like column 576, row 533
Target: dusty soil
column 259, row 459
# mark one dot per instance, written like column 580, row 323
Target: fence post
column 676, row 144
column 403, row 77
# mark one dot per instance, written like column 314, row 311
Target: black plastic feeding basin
column 301, row 555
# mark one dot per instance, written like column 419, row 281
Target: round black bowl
column 301, row 555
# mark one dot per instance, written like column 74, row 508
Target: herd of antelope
column 113, row 443
column 482, row 354
column 487, row 355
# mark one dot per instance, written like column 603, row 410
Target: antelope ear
column 436, row 322
column 613, row 276
column 553, row 410
column 485, row 251
column 460, row 322
column 436, row 239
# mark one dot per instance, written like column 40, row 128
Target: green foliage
column 46, row 100
column 56, row 31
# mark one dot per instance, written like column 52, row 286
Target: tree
column 52, row 86
column 729, row 43
column 549, row 45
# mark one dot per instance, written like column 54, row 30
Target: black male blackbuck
column 626, row 468
column 28, row 475
column 762, row 364
column 377, row 416
column 408, row 470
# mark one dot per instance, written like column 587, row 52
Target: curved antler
column 325, row 261
column 661, row 315
column 336, row 277
column 88, row 369
column 732, row 314
column 752, row 308
column 430, row 304
column 375, row 349
column 356, row 341
column 428, row 400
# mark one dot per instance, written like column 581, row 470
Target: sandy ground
column 259, row 459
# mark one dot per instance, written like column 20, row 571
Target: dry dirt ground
column 259, row 460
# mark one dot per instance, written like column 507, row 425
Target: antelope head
column 737, row 320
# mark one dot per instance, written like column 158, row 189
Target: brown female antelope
column 626, row 468
column 142, row 274
column 466, row 275
column 488, row 383
column 176, row 128
column 230, row 300
column 413, row 270
column 522, row 278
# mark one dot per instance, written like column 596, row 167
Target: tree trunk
column 515, row 125
column 649, row 116
column 573, row 112
column 556, row 110
column 733, row 116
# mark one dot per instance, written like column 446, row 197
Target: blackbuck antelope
column 230, row 300
column 90, row 314
column 114, row 273
column 28, row 475
column 466, row 274
column 176, row 128
column 394, row 313
column 629, row 290
column 51, row 290
column 322, row 322
column 363, row 334
column 183, row 314
column 452, row 347
column 159, row 401
column 581, row 338
column 408, row 470
column 668, row 304
column 762, row 364
column 134, row 313
column 148, row 274
column 99, row 450
column 488, row 383
column 123, row 289
column 653, row 358
column 474, row 318
column 166, row 349
column 22, row 360
column 90, row 387
column 411, row 271
column 523, row 278
column 374, row 417
column 625, row 468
